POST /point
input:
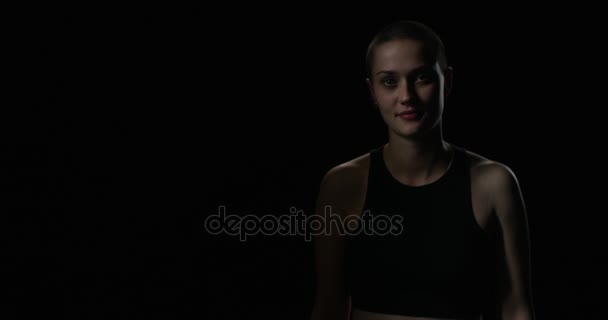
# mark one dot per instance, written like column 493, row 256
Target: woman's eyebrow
column 414, row 70
column 385, row 71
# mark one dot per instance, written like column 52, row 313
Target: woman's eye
column 389, row 82
column 423, row 77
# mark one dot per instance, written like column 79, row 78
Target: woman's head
column 408, row 77
column 434, row 51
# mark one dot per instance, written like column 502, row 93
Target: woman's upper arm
column 514, row 248
column 335, row 196
column 329, row 246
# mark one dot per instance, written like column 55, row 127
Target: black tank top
column 437, row 264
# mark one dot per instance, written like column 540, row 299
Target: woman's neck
column 417, row 161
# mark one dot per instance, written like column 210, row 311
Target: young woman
column 462, row 250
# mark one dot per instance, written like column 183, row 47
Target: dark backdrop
column 132, row 126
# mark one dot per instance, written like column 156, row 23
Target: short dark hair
column 432, row 45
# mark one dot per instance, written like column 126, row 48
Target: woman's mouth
column 408, row 115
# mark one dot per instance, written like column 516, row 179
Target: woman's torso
column 357, row 314
column 481, row 216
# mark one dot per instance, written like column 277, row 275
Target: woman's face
column 408, row 90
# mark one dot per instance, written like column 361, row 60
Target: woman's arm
column 515, row 291
column 338, row 189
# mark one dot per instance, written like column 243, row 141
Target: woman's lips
column 408, row 115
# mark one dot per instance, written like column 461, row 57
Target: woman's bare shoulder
column 348, row 179
column 489, row 173
column 350, row 170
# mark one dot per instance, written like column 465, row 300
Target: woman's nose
column 404, row 92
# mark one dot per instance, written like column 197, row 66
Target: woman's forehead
column 400, row 54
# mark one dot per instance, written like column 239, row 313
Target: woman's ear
column 448, row 80
column 371, row 91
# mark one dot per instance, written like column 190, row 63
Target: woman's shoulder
column 489, row 174
column 350, row 171
column 343, row 186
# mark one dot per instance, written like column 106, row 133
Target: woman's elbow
column 520, row 310
column 331, row 309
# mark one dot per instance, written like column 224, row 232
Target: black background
column 133, row 125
